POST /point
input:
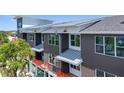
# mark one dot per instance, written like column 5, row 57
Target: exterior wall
column 87, row 72
column 54, row 50
column 64, row 42
column 107, row 63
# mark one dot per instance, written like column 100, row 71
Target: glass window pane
column 99, row 48
column 57, row 42
column 109, row 46
column 109, row 75
column 99, row 73
column 78, row 67
column 72, row 37
column 99, row 40
column 53, row 38
column 120, row 41
column 120, row 52
column 50, row 42
column 77, row 40
column 73, row 43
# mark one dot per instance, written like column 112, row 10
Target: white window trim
column 74, row 47
column 115, row 56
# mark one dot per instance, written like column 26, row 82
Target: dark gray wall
column 50, row 48
column 64, row 42
column 111, row 64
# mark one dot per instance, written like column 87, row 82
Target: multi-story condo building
column 77, row 48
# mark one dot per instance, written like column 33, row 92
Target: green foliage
column 3, row 37
column 14, row 54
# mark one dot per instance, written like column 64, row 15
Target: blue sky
column 8, row 23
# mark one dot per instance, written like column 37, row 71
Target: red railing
column 46, row 65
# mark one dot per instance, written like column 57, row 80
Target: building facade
column 76, row 49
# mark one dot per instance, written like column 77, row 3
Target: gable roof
column 108, row 25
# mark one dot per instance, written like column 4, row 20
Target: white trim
column 74, row 47
column 37, row 50
column 34, row 39
column 75, row 71
column 74, row 62
column 60, row 44
column 115, row 46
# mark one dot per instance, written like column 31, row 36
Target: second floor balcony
column 50, row 68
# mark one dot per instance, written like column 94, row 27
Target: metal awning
column 38, row 48
column 70, row 56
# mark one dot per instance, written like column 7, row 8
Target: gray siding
column 111, row 64
column 64, row 42
column 50, row 48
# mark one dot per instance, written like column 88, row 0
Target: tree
column 15, row 55
column 3, row 37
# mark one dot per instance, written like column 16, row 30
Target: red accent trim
column 46, row 65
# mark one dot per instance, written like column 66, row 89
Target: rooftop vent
column 122, row 22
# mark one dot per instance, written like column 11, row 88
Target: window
column 75, row 67
column 53, row 39
column 120, row 46
column 19, row 25
column 75, row 40
column 31, row 37
column 99, row 44
column 109, row 46
column 101, row 73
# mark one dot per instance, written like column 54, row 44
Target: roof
column 22, row 16
column 70, row 27
column 108, row 25
column 74, row 23
column 65, row 27
column 70, row 56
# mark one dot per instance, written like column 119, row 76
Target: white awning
column 70, row 56
column 38, row 48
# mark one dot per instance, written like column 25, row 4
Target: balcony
column 48, row 67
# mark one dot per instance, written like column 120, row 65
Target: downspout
column 60, row 47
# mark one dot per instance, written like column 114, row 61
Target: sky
column 7, row 22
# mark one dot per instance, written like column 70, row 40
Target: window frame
column 118, row 46
column 56, row 39
column 105, row 72
column 74, row 47
column 99, row 44
column 115, row 47
column 104, row 43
